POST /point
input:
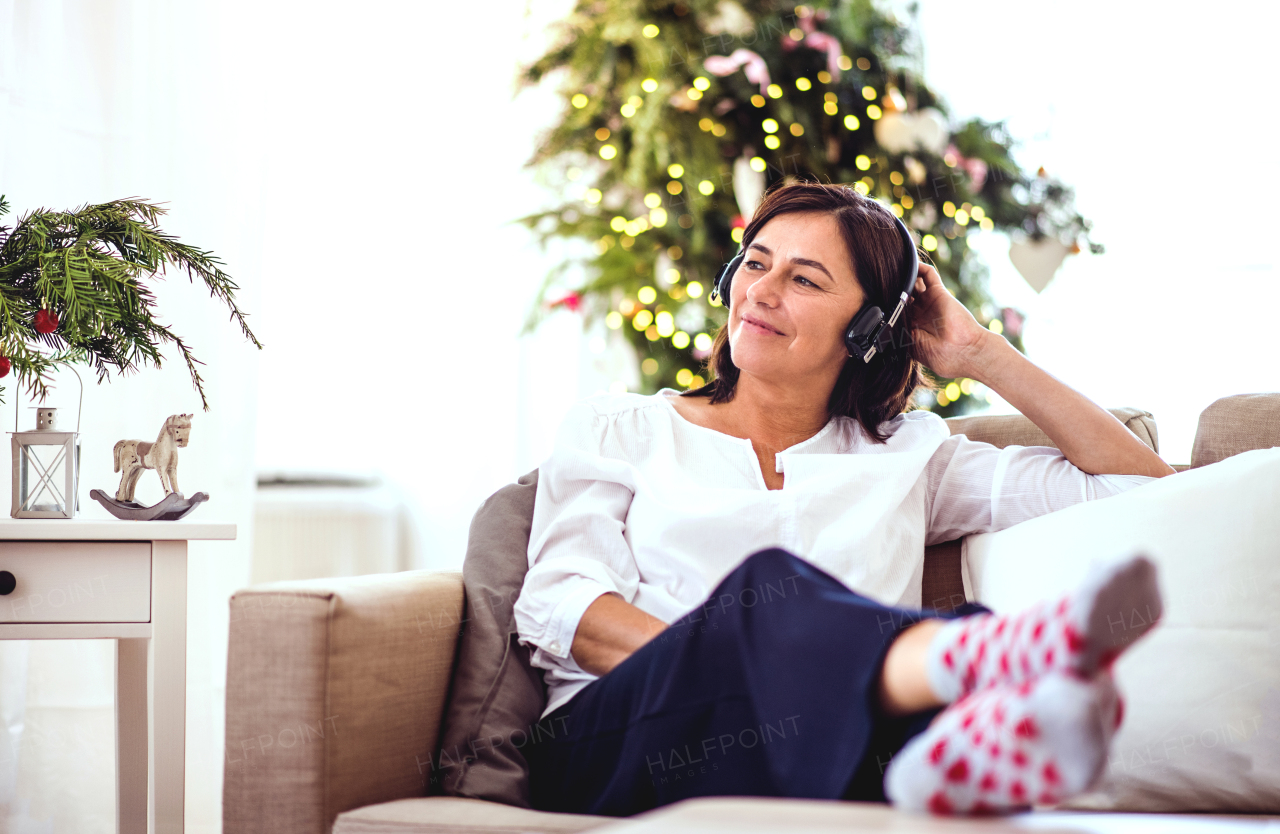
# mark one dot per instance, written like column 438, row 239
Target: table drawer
column 76, row 582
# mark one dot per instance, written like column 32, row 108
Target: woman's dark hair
column 871, row 393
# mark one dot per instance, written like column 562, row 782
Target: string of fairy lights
column 646, row 311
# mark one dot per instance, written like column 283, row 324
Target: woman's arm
column 577, row 548
column 1089, row 435
column 951, row 343
column 610, row 631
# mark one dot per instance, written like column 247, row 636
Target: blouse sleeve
column 976, row 487
column 577, row 551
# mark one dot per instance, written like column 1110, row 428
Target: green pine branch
column 89, row 267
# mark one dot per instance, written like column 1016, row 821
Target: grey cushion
column 497, row 696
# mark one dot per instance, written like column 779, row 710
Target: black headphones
column 863, row 336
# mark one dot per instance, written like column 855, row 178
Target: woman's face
column 791, row 301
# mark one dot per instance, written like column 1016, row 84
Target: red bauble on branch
column 5, row 365
column 45, row 322
column 571, row 301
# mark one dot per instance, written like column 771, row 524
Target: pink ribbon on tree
column 820, row 41
column 751, row 64
column 975, row 168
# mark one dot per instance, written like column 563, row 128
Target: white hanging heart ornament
column 902, row 132
column 1038, row 261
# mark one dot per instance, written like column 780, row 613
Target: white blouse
column 638, row 501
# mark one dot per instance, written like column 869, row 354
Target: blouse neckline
column 744, row 441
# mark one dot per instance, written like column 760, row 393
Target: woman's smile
column 758, row 325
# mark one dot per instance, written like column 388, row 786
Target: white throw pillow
column 1202, row 690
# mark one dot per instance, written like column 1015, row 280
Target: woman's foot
column 1006, row 748
column 1081, row 632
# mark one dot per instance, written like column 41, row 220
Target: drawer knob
column 7, row 583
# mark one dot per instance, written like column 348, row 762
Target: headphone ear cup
column 863, row 330
column 724, row 284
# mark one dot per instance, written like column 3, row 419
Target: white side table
column 125, row 581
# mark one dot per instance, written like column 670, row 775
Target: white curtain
column 102, row 99
column 358, row 168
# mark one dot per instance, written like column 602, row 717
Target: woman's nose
column 764, row 289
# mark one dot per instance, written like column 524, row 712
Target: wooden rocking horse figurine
column 133, row 457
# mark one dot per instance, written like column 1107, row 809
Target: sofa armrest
column 335, row 693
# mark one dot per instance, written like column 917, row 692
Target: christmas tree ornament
column 723, row 106
column 46, row 465
column 899, row 132
column 748, row 186
column 1012, row 321
column 730, row 19
column 975, row 168
column 571, row 301
column 133, row 457
column 916, row 172
column 5, row 365
column 833, row 149
column 924, row 217
column 680, row 101
column 893, row 101
column 751, row 64
column 894, row 132
column 45, row 321
column 1038, row 260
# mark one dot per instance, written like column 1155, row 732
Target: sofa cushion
column 1236, row 424
column 1202, row 724
column 757, row 815
column 497, row 696
column 455, row 815
column 749, row 815
column 942, row 586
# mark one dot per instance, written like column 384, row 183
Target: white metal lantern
column 46, row 467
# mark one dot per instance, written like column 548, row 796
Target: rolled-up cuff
column 563, row 625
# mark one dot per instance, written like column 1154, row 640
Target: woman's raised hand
column 946, row 338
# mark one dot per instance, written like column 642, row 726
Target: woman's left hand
column 947, row 338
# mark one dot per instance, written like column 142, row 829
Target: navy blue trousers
column 770, row 688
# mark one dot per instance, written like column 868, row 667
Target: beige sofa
column 336, row 690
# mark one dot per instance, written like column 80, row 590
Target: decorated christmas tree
column 679, row 115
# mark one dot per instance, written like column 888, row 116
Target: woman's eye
column 754, row 265
column 806, row 280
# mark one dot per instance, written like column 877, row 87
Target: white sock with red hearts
column 1007, row 747
column 1081, row 632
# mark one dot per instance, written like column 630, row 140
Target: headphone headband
column 862, row 337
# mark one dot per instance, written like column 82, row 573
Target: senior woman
column 724, row 585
